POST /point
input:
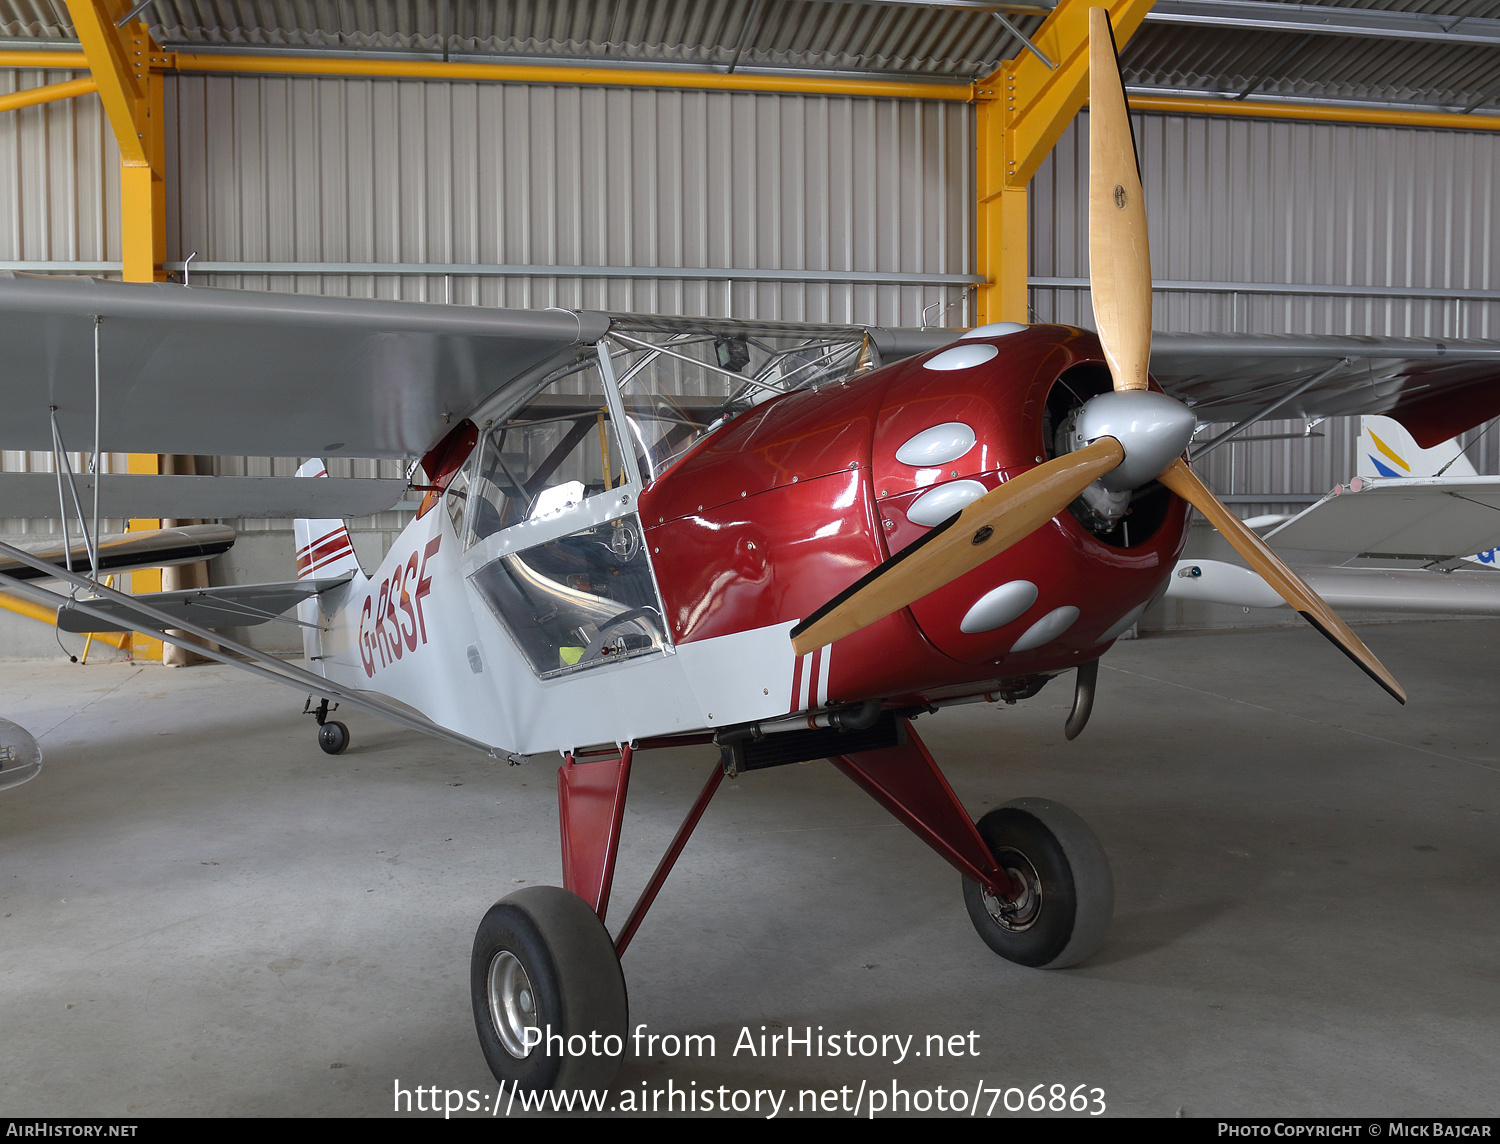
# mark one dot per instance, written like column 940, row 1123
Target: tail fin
column 323, row 546
column 1386, row 449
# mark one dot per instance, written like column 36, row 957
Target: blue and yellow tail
column 1386, row 449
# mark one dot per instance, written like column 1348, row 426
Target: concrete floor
column 202, row 914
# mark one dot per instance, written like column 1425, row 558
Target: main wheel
column 333, row 737
column 1068, row 895
column 549, row 997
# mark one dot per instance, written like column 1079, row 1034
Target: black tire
column 333, row 737
column 571, row 987
column 1063, row 917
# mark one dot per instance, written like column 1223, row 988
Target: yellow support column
column 120, row 64
column 147, row 580
column 1023, row 109
column 143, row 247
column 1000, row 221
column 143, row 195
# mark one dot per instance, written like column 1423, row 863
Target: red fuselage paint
column 785, row 506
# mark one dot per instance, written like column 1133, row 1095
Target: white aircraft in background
column 1415, row 531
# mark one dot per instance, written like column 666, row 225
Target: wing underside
column 156, row 548
column 1407, row 518
column 196, row 498
column 230, row 372
column 1437, row 389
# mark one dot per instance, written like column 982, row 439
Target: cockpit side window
column 555, row 452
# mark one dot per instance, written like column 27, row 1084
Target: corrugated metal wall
column 333, row 170
column 336, row 170
column 59, row 176
column 59, row 192
column 354, row 170
column 1231, row 200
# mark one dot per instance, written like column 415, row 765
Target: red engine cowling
column 789, row 504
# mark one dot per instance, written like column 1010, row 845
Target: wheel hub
column 512, row 1003
column 1020, row 914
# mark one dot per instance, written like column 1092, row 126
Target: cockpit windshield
column 680, row 378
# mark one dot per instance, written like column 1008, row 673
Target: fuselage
column 761, row 521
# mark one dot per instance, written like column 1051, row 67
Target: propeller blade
column 1119, row 253
column 1182, row 481
column 985, row 528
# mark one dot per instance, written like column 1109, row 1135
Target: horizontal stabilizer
column 196, row 498
column 237, row 606
column 1429, row 518
column 156, row 548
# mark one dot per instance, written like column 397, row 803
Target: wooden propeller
column 1119, row 251
column 1120, row 281
column 1289, row 586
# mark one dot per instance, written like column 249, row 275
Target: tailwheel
column 333, row 737
column 1067, row 895
column 549, row 997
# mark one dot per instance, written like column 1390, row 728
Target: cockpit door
column 554, row 544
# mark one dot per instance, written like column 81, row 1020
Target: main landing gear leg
column 549, row 998
column 1036, row 881
column 543, row 961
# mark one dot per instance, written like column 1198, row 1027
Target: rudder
column 324, row 547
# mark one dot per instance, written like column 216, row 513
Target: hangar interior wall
column 298, row 170
column 290, row 170
column 1242, row 201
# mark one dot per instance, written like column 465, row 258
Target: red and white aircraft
column 640, row 532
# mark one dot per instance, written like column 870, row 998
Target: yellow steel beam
column 31, row 96
column 60, row 60
column 1315, row 112
column 213, row 63
column 126, row 66
column 48, row 616
column 1042, row 101
column 984, row 92
column 23, row 607
column 119, row 66
column 1023, row 108
column 1000, row 226
column 143, row 195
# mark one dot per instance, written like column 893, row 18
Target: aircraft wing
column 230, row 372
column 240, row 606
column 1426, row 518
column 156, row 548
column 1435, row 519
column 1473, row 592
column 1437, row 389
column 192, row 498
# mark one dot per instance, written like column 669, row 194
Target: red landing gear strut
column 549, row 997
column 591, row 790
